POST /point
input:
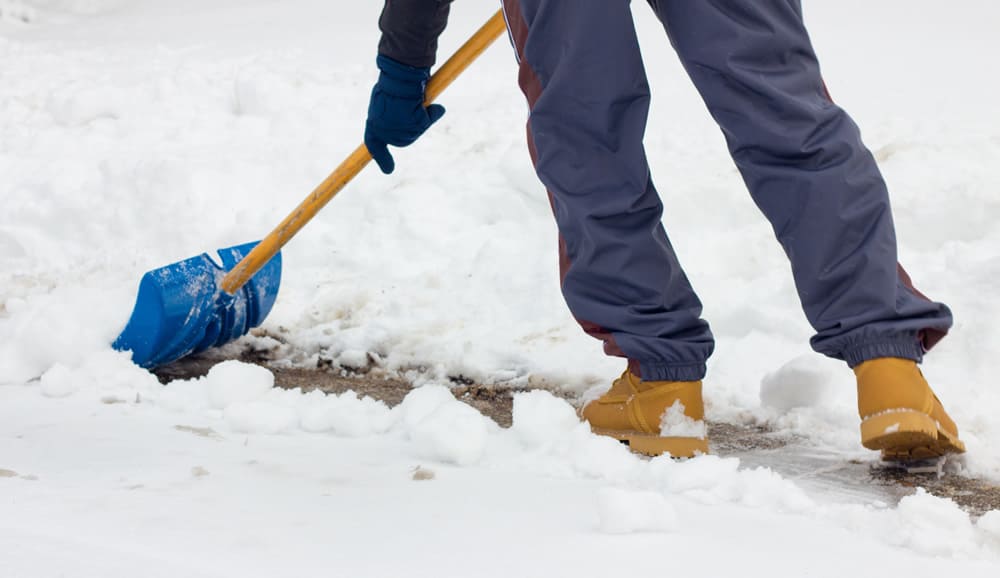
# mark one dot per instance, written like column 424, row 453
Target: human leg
column 805, row 166
column 583, row 76
column 586, row 86
column 807, row 169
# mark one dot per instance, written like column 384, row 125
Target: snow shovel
column 196, row 304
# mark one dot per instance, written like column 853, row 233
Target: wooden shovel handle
column 353, row 165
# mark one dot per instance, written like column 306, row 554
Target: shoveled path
column 756, row 446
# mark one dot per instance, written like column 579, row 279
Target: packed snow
column 135, row 133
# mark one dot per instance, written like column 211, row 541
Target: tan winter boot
column 653, row 417
column 900, row 415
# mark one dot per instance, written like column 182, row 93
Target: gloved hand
column 396, row 113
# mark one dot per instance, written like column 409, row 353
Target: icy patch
column 625, row 512
column 675, row 423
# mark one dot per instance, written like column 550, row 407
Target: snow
column 921, row 520
column 675, row 422
column 144, row 487
column 135, row 133
column 799, row 383
column 989, row 523
column 443, row 429
column 345, row 415
column 541, row 419
column 232, row 382
column 625, row 512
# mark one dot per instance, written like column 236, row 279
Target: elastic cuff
column 659, row 371
column 908, row 349
column 401, row 71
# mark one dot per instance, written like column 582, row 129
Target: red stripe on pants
column 531, row 86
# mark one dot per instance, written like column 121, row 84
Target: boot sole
column 654, row 445
column 907, row 435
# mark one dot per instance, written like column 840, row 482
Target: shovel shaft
column 353, row 165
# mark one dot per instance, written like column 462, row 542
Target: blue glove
column 396, row 113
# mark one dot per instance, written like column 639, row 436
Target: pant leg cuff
column 660, row 371
column 908, row 349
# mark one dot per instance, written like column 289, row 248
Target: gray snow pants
column 800, row 155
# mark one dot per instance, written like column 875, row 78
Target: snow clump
column 345, row 415
column 232, row 382
column 675, row 423
column 540, row 418
column 443, row 428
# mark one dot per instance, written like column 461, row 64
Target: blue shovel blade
column 181, row 308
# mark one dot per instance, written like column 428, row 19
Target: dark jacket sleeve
column 410, row 30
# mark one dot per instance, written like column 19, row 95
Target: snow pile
column 929, row 525
column 547, row 439
column 232, row 382
column 109, row 375
column 437, row 426
column 67, row 326
column 443, row 429
column 541, row 419
column 240, row 389
column 935, row 527
column 595, row 485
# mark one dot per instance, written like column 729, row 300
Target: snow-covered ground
column 134, row 133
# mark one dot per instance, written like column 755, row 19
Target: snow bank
column 547, row 438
